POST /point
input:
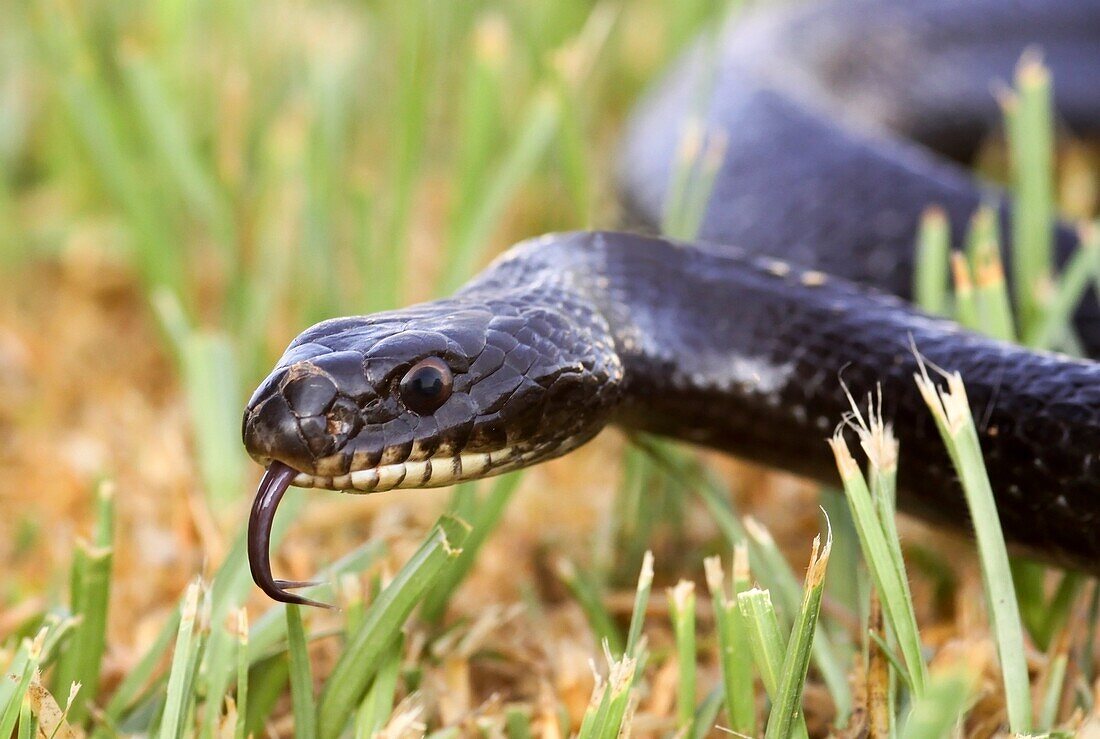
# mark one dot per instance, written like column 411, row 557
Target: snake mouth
column 432, row 472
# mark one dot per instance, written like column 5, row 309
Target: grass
column 951, row 409
column 881, row 551
column 231, row 173
column 382, row 624
column 732, row 631
column 681, row 602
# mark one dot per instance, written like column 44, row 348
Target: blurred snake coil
column 843, row 122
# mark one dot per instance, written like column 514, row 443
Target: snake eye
column 426, row 386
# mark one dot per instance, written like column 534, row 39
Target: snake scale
column 842, row 121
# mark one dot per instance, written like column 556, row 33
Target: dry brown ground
column 86, row 392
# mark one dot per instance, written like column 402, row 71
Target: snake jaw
column 273, row 486
column 437, row 471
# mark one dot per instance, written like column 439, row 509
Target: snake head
column 427, row 396
column 430, row 396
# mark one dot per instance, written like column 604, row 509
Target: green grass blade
column 595, row 715
column 185, row 659
column 140, row 676
column 10, row 713
column 241, row 625
column 991, row 292
column 935, row 714
column 479, row 116
column 951, row 410
column 410, row 114
column 733, row 645
column 353, row 602
column 216, row 673
column 641, row 602
column 157, row 255
column 701, row 185
column 610, row 702
column 984, row 229
column 103, row 533
column 517, row 724
column 1029, row 123
column 586, row 591
column 228, row 590
column 966, row 304
column 1052, row 696
column 891, row 657
column 270, row 628
column 212, row 382
column 679, row 185
column 577, row 163
column 681, row 603
column 376, row 708
column 349, row 679
column 707, row 714
column 483, row 521
column 1060, row 607
column 89, row 640
column 882, row 559
column 267, row 683
column 1082, row 270
column 930, row 271
column 621, row 681
column 787, row 704
column 767, row 644
column 28, row 726
column 164, row 125
column 301, row 677
column 81, row 661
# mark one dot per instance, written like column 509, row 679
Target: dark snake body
column 826, row 109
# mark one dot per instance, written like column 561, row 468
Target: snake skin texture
column 841, row 120
column 746, row 354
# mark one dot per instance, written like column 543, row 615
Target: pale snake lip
column 425, row 473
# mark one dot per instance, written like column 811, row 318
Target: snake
column 841, row 122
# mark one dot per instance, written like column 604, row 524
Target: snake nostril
column 316, row 435
column 309, row 393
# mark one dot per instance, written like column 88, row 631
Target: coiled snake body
column 830, row 112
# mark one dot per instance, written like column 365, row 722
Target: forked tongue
column 272, row 487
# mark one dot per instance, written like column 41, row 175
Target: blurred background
column 185, row 185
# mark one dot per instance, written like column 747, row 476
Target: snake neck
column 753, row 356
